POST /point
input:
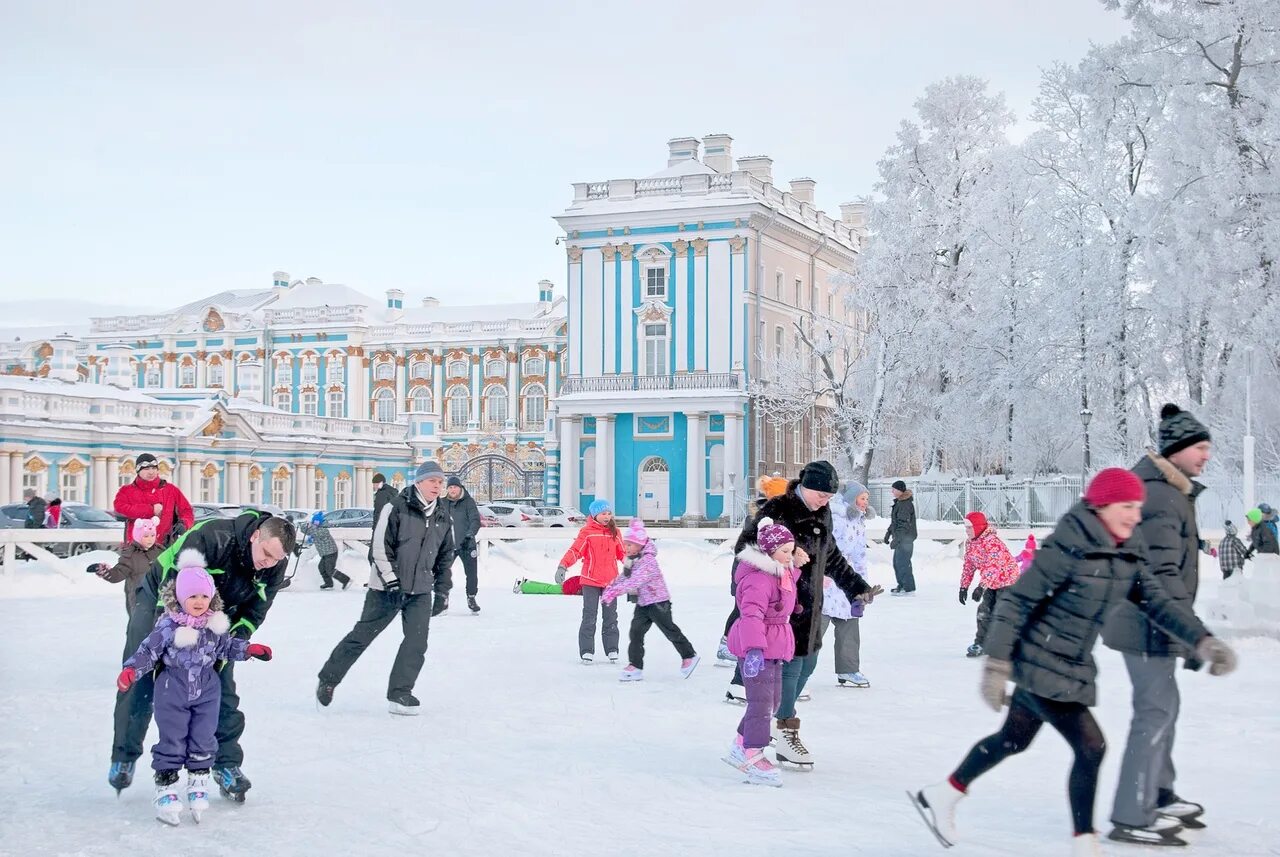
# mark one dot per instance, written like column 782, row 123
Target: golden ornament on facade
column 255, row 472
column 609, row 252
column 679, row 245
column 575, row 253
column 626, row 250
column 35, row 465
column 210, row 470
column 281, row 472
column 75, row 467
column 165, row 469
column 737, row 243
column 699, row 247
column 215, row 426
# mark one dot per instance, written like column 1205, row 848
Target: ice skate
column 120, row 776
column 855, row 679
column 167, row 803
column 1185, row 811
column 324, row 692
column 974, row 651
column 724, row 657
column 472, row 605
column 587, row 658
column 612, row 656
column 937, row 806
column 631, row 674
column 232, row 782
column 736, row 694
column 760, row 771
column 688, row 665
column 1161, row 832
column 404, row 704
column 737, row 755
column 790, row 748
column 197, row 792
column 515, row 587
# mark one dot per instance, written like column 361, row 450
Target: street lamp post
column 1249, row 485
column 1085, row 416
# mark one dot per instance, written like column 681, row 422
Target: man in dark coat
column 803, row 510
column 412, row 556
column 466, row 523
column 382, row 495
column 248, row 556
column 901, row 536
column 36, row 507
column 1145, row 792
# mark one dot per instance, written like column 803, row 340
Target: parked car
column 353, row 517
column 299, row 516
column 487, row 518
column 516, row 515
column 205, row 511
column 559, row 516
column 76, row 516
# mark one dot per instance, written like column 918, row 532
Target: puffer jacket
column 766, row 601
column 645, row 580
column 1048, row 622
column 320, row 537
column 600, row 549
column 138, row 499
column 849, row 524
column 812, row 530
column 1172, row 539
column 135, row 562
column 413, row 544
column 1262, row 539
column 188, row 653
column 991, row 560
column 902, row 520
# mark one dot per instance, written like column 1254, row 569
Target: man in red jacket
column 149, row 496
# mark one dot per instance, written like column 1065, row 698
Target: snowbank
column 1249, row 604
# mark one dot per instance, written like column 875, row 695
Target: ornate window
column 458, row 369
column 779, row 451
column 310, row 374
column 336, row 369
column 495, row 407
column 341, row 492
column 151, row 378
column 71, row 482
column 420, row 369
column 384, row 406
column 124, row 473
column 209, row 484
column 495, row 368
column 279, row 488
column 284, row 400
column 216, row 375
column 535, row 407
column 656, row 346
column 310, row 403
column 320, row 491
column 420, row 400
column 655, row 283
column 337, row 404
column 535, row 366
column 384, row 371
column 187, row 373
column 255, row 485
column 459, row 407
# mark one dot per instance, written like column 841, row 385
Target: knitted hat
column 820, row 476
column 636, row 533
column 428, row 469
column 454, row 482
column 1178, row 430
column 899, row 486
column 1114, row 485
column 771, row 536
column 144, row 527
column 979, row 522
column 1265, row 508
column 771, row 486
column 852, row 491
column 146, row 459
column 193, row 579
column 1253, row 516
column 599, row 507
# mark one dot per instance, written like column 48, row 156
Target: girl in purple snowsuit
column 189, row 640
column 762, row 640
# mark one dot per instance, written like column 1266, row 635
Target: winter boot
column 737, row 694
column 937, row 806
column 724, row 657
column 1163, row 831
column 854, row 679
column 688, row 665
column 1185, row 811
column 631, row 673
column 405, row 704
column 167, row 803
column 324, row 692
column 790, row 748
column 760, row 771
column 120, row 776
column 1086, row 845
column 231, row 782
column 327, row 585
column 342, row 578
column 612, row 656
column 515, row 587
column 737, row 755
column 472, row 605
column 974, row 651
column 197, row 792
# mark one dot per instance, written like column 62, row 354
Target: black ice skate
column 232, row 782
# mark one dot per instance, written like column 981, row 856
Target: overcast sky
column 156, row 151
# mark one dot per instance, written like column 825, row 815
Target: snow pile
column 1247, row 604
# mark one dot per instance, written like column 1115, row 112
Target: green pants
column 537, row 587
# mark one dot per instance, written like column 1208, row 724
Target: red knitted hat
column 979, row 522
column 1114, row 485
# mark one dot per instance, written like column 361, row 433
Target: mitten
column 870, row 595
column 978, row 592
column 1220, row 657
column 964, row 595
column 440, row 605
column 561, row 573
column 995, row 674
column 125, row 680
column 259, row 651
column 753, row 663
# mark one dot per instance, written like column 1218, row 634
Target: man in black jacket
column 247, row 557
column 466, row 523
column 382, row 495
column 412, row 554
column 901, row 536
column 1146, row 802
column 36, row 507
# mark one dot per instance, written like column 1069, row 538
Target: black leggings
column 1027, row 713
column 733, row 617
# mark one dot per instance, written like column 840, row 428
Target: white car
column 559, row 516
column 515, row 515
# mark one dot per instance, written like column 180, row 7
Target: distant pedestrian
column 1231, row 552
column 901, row 536
column 466, row 525
column 327, row 550
column 988, row 558
column 598, row 546
column 36, row 508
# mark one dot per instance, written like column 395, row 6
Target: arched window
column 495, row 368
column 279, row 489
column 459, row 407
column 384, row 371
column 284, row 400
column 335, row 369
column 458, row 369
column 384, row 406
column 187, row 373
column 152, row 376
column 71, row 482
column 420, row 400
column 337, row 404
column 715, row 469
column 310, row 374
column 341, row 492
column 535, row 366
column 495, row 407
column 255, row 486
column 209, row 484
column 320, row 491
column 589, row 470
column 216, row 375
column 420, row 369
column 310, row 403
column 535, row 407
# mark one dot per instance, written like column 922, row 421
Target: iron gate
column 496, row 477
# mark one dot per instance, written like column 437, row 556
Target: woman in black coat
column 1042, row 637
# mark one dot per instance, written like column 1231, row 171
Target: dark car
column 353, row 517
column 206, row 511
column 76, row 516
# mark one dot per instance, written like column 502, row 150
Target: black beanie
column 899, row 486
column 1179, row 430
column 144, row 460
column 820, row 476
column 454, row 482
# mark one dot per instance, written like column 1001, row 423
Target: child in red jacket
column 991, row 560
column 599, row 547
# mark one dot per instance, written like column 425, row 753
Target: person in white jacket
column 849, row 511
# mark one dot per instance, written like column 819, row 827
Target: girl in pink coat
column 762, row 641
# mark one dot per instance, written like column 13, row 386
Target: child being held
column 189, row 640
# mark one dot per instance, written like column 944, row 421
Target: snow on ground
column 521, row 750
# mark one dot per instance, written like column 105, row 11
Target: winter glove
column 964, row 595
column 870, row 595
column 561, row 573
column 125, row 680
column 1220, row 657
column 99, row 568
column 978, row 592
column 390, row 585
column 753, row 663
column 888, row 536
column 995, row 673
column 259, row 651
column 440, row 605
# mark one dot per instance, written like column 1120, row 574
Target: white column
column 168, row 372
column 695, row 496
column 186, row 479
column 477, row 373
column 231, row 482
column 202, row 371
column 300, row 486
column 553, row 375
column 98, row 477
column 437, row 392
column 733, row 460
column 15, row 477
column 5, row 484
column 569, row 458
column 229, row 380
column 513, row 391
column 604, row 458
column 113, row 480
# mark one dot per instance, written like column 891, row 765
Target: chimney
column 280, row 281
column 854, row 214
column 119, row 369
column 717, row 152
column 430, row 302
column 395, row 304
column 545, row 287
column 681, row 149
column 314, row 281
column 802, row 190
column 63, row 365
column 760, row 166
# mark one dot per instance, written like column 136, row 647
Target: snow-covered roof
column 82, row 389
column 323, row 294
column 233, row 300
column 684, row 168
column 40, row 332
column 475, row 312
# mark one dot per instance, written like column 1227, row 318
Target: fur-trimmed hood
column 752, row 556
column 185, row 636
column 1171, row 473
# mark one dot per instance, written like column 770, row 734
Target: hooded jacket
column 600, row 549
column 812, row 529
column 414, row 544
column 849, row 524
column 138, row 499
column 986, row 556
column 645, row 580
column 766, row 595
column 188, row 653
column 466, row 519
column 1048, row 622
column 902, row 520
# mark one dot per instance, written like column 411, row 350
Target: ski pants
column 134, row 708
column 660, row 615
column 986, row 609
column 902, row 551
column 848, row 643
column 795, row 675
column 380, row 608
column 1027, row 713
column 470, row 566
column 329, row 570
column 187, row 726
column 591, row 603
column 1147, row 768
column 764, row 693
